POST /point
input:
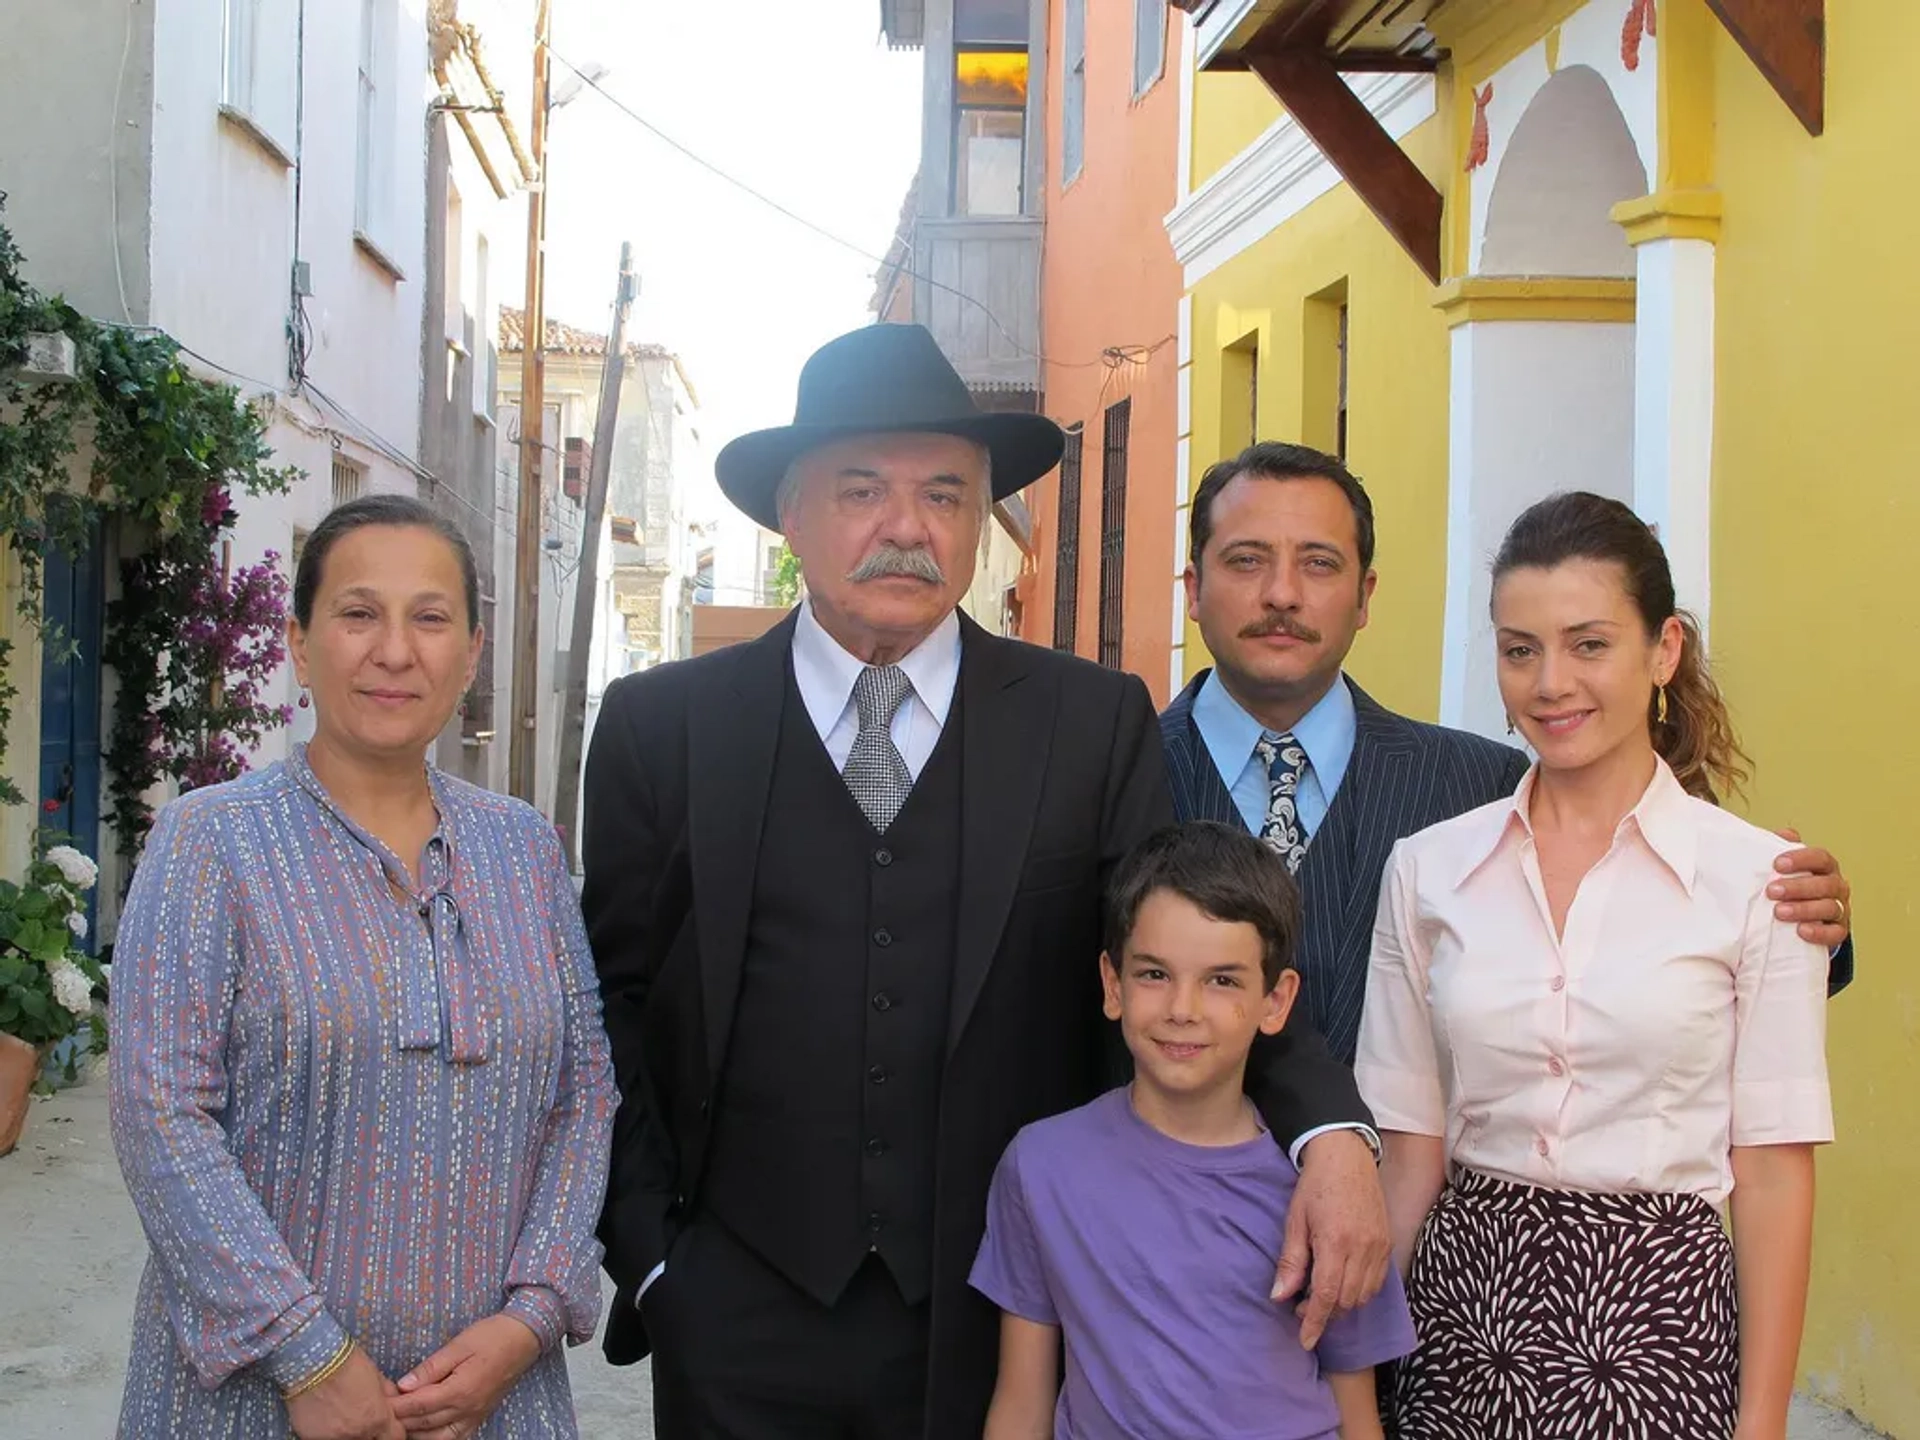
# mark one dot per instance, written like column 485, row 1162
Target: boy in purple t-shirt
column 1144, row 1225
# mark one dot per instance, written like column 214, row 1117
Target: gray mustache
column 891, row 560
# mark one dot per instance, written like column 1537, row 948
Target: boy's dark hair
column 1224, row 872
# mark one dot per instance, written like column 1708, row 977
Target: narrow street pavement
column 72, row 1262
column 74, row 1256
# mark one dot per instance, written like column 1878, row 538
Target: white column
column 1537, row 406
column 1456, row 629
column 1673, row 405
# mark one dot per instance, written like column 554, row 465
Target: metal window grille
column 1066, row 569
column 347, row 478
column 1113, row 528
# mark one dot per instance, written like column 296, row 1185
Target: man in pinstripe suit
column 1276, row 738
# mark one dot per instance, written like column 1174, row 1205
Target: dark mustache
column 1280, row 624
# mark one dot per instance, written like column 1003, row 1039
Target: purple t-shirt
column 1156, row 1259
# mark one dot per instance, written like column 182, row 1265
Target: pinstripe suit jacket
column 1403, row 777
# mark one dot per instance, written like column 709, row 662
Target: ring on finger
column 1841, row 917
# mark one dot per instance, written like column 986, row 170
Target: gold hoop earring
column 1660, row 705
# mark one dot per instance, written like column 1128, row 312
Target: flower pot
column 19, row 1063
column 75, row 1050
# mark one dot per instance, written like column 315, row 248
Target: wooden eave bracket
column 1787, row 41
column 1307, row 81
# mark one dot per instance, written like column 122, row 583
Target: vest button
column 883, row 857
column 878, row 1074
column 883, row 1002
column 875, row 1220
column 876, row 1147
column 883, row 937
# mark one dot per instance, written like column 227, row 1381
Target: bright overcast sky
column 800, row 99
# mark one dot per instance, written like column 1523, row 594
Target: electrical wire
column 1116, row 357
column 113, row 164
column 265, row 385
column 366, row 434
column 805, row 223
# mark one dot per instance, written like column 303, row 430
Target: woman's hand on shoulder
column 354, row 1403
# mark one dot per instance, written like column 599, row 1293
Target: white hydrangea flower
column 76, row 869
column 77, row 923
column 71, row 987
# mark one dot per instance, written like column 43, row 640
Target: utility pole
column 523, row 731
column 586, row 591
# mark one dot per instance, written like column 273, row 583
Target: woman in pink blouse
column 1585, row 1031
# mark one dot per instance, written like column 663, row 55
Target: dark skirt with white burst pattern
column 1560, row 1315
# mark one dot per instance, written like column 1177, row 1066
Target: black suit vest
column 825, row 1121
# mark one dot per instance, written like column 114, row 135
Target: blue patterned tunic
column 342, row 1114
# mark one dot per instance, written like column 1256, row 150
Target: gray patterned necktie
column 875, row 771
column 1285, row 761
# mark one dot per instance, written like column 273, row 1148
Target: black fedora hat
column 882, row 379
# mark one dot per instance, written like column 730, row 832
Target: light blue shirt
column 1326, row 733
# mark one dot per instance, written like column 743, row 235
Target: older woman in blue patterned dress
column 360, row 1090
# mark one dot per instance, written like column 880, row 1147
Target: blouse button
column 1541, row 1145
column 1559, row 983
column 1554, row 1067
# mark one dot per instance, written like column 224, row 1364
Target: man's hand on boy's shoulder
column 1336, row 1233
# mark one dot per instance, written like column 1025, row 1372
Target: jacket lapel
column 733, row 729
column 1199, row 790
column 1006, row 728
column 1355, row 839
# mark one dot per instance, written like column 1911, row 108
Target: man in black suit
column 843, row 888
column 1274, row 737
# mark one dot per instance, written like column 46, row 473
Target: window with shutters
column 1066, row 569
column 375, row 127
column 990, row 131
column 259, row 58
column 1113, row 528
column 1149, row 44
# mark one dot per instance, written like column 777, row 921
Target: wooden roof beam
column 1787, row 40
column 1308, row 83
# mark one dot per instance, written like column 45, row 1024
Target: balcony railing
column 990, row 328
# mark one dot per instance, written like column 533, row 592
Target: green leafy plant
column 785, row 589
column 190, row 645
column 48, row 982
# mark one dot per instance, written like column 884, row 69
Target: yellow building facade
column 1658, row 284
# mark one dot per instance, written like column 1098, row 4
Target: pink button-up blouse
column 1676, row 1017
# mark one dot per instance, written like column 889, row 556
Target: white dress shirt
column 825, row 670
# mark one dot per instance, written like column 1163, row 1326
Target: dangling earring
column 1660, row 705
column 1509, row 724
column 305, row 703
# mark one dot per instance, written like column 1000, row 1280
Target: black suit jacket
column 1403, row 777
column 1063, row 774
